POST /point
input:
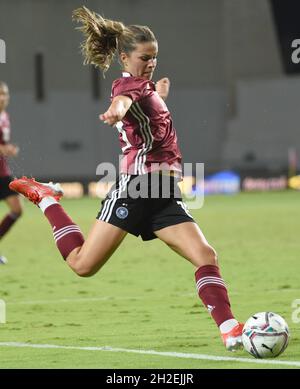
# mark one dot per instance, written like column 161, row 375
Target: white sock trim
column 228, row 325
column 46, row 202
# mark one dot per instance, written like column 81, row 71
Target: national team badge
column 122, row 212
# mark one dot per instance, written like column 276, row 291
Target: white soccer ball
column 265, row 335
column 3, row 260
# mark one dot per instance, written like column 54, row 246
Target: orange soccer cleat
column 36, row 191
column 233, row 339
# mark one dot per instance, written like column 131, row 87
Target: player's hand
column 110, row 117
column 116, row 111
column 162, row 87
column 17, row 149
column 10, row 150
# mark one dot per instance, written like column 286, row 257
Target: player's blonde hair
column 105, row 37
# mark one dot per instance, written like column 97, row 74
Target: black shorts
column 4, row 188
column 141, row 205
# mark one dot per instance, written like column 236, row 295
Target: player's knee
column 210, row 256
column 83, row 264
column 206, row 255
column 83, row 268
column 84, row 271
column 213, row 256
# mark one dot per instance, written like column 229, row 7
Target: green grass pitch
column 145, row 296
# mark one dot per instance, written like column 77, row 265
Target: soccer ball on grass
column 265, row 335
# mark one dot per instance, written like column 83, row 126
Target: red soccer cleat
column 233, row 339
column 36, row 191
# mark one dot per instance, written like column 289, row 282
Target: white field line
column 153, row 352
column 87, row 299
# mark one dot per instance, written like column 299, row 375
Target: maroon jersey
column 4, row 139
column 146, row 133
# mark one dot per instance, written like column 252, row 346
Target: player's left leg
column 188, row 241
column 85, row 257
column 16, row 208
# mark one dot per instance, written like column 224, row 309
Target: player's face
column 4, row 97
column 141, row 62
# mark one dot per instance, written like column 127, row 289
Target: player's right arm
column 9, row 150
column 117, row 110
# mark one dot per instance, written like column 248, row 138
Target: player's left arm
column 162, row 87
column 117, row 110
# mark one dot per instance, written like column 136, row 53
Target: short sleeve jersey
column 4, row 139
column 146, row 133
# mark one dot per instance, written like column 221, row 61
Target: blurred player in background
column 7, row 150
column 148, row 140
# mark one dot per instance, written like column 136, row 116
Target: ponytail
column 101, row 37
column 105, row 37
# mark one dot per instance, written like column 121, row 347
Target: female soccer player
column 148, row 141
column 7, row 150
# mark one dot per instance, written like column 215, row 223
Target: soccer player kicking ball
column 148, row 141
column 7, row 150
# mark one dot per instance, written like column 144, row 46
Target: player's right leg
column 84, row 257
column 188, row 241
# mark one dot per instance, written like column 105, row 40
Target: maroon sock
column 67, row 234
column 213, row 293
column 7, row 222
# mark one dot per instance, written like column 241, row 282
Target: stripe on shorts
column 116, row 194
column 184, row 207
